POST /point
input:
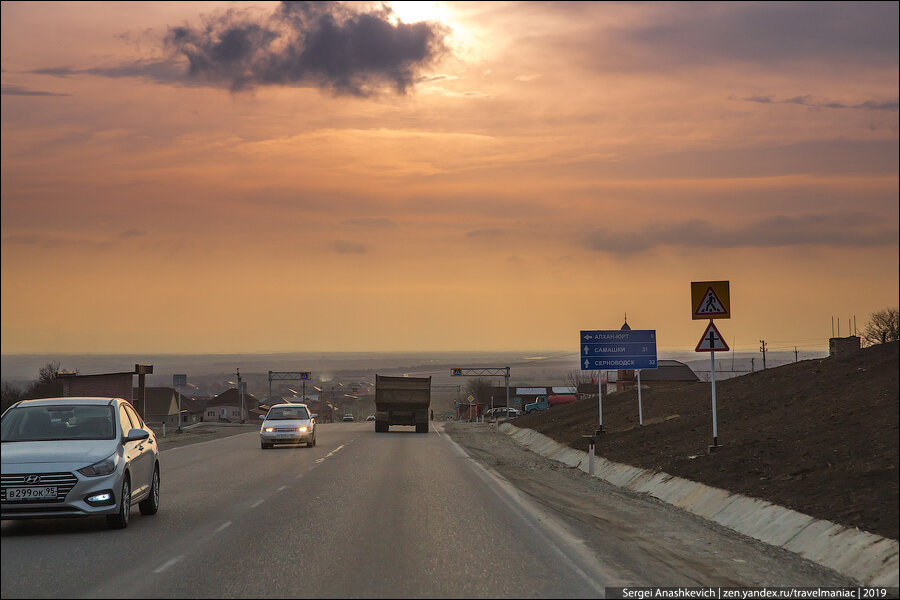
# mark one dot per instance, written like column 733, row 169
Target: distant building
column 625, row 379
column 667, row 371
column 227, row 407
column 843, row 345
column 161, row 406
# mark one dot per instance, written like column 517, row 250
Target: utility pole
column 762, row 348
column 241, row 390
column 752, row 365
column 796, row 355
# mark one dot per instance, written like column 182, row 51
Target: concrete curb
column 870, row 559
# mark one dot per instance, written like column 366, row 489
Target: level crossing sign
column 712, row 340
column 710, row 300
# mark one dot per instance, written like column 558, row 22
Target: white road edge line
column 257, row 503
column 223, row 526
column 167, row 564
column 558, row 538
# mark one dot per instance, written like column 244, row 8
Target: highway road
column 360, row 515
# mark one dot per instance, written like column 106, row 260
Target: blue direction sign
column 618, row 349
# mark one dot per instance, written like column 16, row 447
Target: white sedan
column 288, row 424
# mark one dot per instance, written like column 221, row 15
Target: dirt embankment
column 819, row 436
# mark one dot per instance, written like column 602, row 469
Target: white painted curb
column 870, row 559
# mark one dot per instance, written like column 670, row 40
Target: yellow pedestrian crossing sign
column 710, row 300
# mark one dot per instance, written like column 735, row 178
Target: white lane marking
column 223, row 526
column 335, row 450
column 167, row 564
column 257, row 503
column 437, row 431
column 318, row 460
column 299, row 476
column 284, row 487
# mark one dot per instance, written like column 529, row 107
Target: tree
column 882, row 327
column 10, row 395
column 576, row 378
column 47, row 385
column 479, row 388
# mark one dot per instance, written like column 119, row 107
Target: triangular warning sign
column 712, row 340
column 710, row 305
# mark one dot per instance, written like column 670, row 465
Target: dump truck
column 402, row 401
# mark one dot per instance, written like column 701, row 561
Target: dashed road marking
column 167, row 564
column 284, row 487
column 257, row 503
column 223, row 526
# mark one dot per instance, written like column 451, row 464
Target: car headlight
column 303, row 429
column 103, row 467
column 269, row 429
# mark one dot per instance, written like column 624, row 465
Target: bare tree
column 47, row 385
column 882, row 327
column 577, row 377
column 479, row 388
column 10, row 395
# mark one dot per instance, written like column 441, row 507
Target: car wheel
column 120, row 520
column 150, row 505
column 264, row 445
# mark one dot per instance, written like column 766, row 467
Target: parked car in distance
column 348, row 417
column 77, row 457
column 370, row 418
column 287, row 424
column 496, row 414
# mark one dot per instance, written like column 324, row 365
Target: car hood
column 288, row 423
column 63, row 451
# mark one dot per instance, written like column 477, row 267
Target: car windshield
column 280, row 413
column 49, row 423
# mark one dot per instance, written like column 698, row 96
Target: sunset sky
column 266, row 177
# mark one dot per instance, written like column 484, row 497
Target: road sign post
column 640, row 410
column 711, row 342
column 179, row 381
column 619, row 349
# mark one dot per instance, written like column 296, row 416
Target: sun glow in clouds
column 414, row 12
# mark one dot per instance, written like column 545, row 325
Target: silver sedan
column 77, row 457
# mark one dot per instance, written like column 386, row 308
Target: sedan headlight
column 303, row 429
column 103, row 467
column 269, row 429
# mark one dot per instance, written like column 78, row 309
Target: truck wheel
column 422, row 427
column 381, row 427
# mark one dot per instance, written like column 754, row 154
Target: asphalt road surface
column 360, row 515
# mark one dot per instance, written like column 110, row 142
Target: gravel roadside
column 650, row 542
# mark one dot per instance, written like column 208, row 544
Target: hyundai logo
column 32, row 479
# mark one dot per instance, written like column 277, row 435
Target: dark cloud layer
column 326, row 44
column 891, row 105
column 845, row 230
column 346, row 247
column 9, row 89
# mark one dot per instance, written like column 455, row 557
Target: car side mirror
column 136, row 435
column 263, row 417
column 314, row 416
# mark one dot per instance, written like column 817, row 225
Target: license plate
column 287, row 435
column 31, row 493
